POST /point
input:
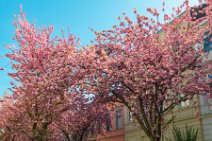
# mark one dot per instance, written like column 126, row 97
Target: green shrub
column 188, row 134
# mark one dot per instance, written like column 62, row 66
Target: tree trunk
column 155, row 138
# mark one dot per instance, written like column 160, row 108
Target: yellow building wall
column 182, row 116
column 133, row 132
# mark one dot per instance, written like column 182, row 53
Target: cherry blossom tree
column 45, row 76
column 88, row 120
column 147, row 65
column 76, row 124
column 151, row 66
column 48, row 96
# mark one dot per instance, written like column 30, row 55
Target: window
column 197, row 11
column 130, row 116
column 108, row 123
column 207, row 42
column 99, row 131
column 118, row 119
column 92, row 131
column 210, row 76
column 210, row 103
column 185, row 103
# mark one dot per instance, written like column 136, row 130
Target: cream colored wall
column 206, row 117
column 183, row 116
column 133, row 132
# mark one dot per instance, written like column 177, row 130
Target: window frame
column 130, row 119
column 119, row 118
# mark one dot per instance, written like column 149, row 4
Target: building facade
column 206, row 117
column 113, row 130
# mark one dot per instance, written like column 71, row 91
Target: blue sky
column 78, row 15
